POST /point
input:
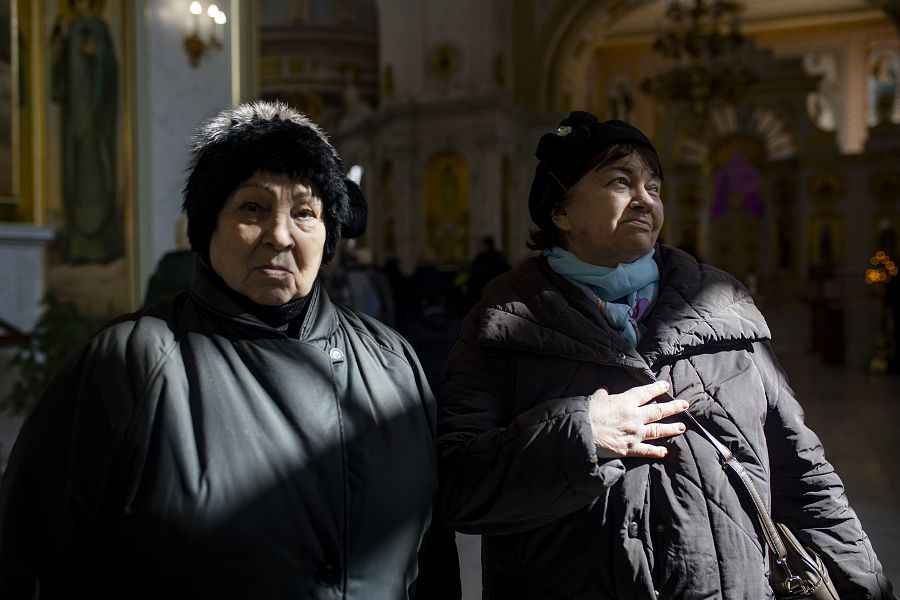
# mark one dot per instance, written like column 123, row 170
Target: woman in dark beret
column 247, row 438
column 563, row 423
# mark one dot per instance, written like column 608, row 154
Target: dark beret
column 568, row 153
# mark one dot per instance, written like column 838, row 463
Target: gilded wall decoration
column 737, row 186
column 826, row 239
column 23, row 56
column 825, row 187
column 447, row 208
column 784, row 199
column 444, row 60
column 388, row 85
column 9, row 70
column 885, row 187
column 737, row 211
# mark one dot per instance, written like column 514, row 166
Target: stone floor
column 856, row 415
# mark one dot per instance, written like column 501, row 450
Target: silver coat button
column 336, row 354
column 632, row 529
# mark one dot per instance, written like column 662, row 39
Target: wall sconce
column 194, row 44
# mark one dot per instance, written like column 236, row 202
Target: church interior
column 778, row 125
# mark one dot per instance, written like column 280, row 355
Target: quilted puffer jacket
column 518, row 463
column 191, row 450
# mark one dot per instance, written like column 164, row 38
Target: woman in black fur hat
column 247, row 438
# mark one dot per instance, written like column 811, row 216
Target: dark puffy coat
column 518, row 463
column 191, row 450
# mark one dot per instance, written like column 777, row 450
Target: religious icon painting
column 87, row 178
column 447, row 208
column 825, row 241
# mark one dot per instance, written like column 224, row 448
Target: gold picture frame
column 9, row 110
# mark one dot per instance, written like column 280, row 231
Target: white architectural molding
column 22, row 271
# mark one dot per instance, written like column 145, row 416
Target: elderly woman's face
column 612, row 214
column 269, row 239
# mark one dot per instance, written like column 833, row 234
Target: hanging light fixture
column 700, row 43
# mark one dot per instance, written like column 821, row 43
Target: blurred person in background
column 487, row 264
column 175, row 268
column 368, row 290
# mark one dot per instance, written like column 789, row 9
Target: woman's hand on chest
column 623, row 423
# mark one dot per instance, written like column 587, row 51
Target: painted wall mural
column 447, row 208
column 84, row 85
column 86, row 152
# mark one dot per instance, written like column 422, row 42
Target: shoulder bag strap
column 776, row 543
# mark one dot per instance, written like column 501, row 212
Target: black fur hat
column 566, row 155
column 267, row 136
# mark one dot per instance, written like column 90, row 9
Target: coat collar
column 536, row 310
column 698, row 305
column 320, row 321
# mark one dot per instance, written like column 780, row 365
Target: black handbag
column 795, row 570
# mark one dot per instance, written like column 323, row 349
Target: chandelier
column 700, row 42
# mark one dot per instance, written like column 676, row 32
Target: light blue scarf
column 623, row 294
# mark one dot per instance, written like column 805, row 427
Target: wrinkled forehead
column 638, row 156
column 633, row 164
column 273, row 182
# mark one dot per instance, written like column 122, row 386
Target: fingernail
column 665, row 384
column 684, row 405
column 681, row 427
